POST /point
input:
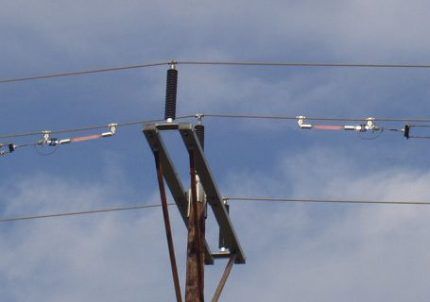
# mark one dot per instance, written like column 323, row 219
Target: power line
column 80, row 72
column 211, row 115
column 88, row 128
column 216, row 63
column 333, row 119
column 104, row 210
column 343, row 201
column 230, row 198
column 303, row 64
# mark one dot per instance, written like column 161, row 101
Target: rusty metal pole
column 194, row 289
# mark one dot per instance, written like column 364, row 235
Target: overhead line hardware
column 88, row 128
column 50, row 141
column 192, row 204
column 408, row 133
column 7, row 149
column 314, row 118
column 367, row 125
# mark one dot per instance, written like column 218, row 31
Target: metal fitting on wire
column 368, row 126
column 199, row 117
column 406, row 131
column 7, row 149
column 47, row 140
column 112, row 130
column 301, row 120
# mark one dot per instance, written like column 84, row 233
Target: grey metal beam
column 213, row 195
column 152, row 134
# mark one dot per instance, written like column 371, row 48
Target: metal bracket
column 152, row 134
column 213, row 196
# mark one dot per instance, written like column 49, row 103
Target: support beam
column 224, row 278
column 152, row 134
column 168, row 228
column 213, row 195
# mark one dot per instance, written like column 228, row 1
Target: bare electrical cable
column 214, row 63
column 213, row 115
column 231, row 198
column 333, row 119
column 80, row 72
column 340, row 201
column 95, row 211
column 303, row 64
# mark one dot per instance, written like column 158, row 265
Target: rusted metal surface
column 168, row 227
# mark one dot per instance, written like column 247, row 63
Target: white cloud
column 295, row 252
column 334, row 252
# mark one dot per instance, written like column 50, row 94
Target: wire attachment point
column 301, row 120
column 112, row 130
column 199, row 117
column 7, row 149
column 369, row 125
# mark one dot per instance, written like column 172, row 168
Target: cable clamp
column 406, row 131
column 199, row 117
column 370, row 125
column 46, row 139
column 2, row 150
column 301, row 120
column 112, row 130
column 173, row 64
column 7, row 149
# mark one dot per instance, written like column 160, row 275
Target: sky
column 295, row 252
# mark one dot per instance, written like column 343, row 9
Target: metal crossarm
column 213, row 195
column 152, row 134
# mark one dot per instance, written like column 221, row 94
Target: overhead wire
column 303, row 64
column 215, row 63
column 220, row 115
column 95, row 211
column 333, row 119
column 214, row 115
column 80, row 72
column 88, row 128
column 340, row 201
column 228, row 198
column 222, row 63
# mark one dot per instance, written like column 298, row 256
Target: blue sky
column 295, row 252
